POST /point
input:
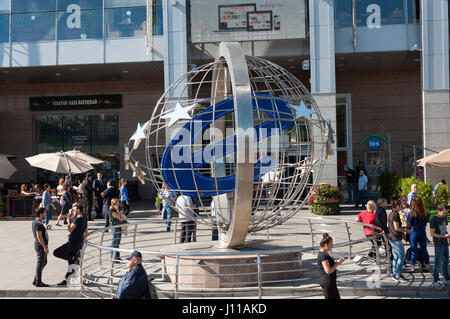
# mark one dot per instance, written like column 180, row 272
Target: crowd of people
column 77, row 204
column 405, row 225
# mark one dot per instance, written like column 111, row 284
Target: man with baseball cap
column 134, row 284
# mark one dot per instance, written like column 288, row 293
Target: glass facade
column 30, row 27
column 71, row 27
column 51, row 20
column 390, row 12
column 95, row 134
column 4, row 28
column 125, row 22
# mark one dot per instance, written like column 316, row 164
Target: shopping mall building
column 82, row 73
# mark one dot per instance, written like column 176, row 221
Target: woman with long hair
column 60, row 187
column 116, row 219
column 23, row 190
column 395, row 240
column 327, row 268
column 66, row 202
column 417, row 223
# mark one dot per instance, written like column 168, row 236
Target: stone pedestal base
column 231, row 270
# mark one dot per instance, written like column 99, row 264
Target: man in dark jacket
column 381, row 219
column 87, row 194
column 350, row 176
column 78, row 231
column 108, row 194
column 134, row 284
column 98, row 187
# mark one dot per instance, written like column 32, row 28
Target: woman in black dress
column 327, row 268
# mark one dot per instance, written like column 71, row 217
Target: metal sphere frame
column 249, row 83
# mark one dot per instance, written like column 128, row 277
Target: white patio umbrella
column 85, row 157
column 441, row 159
column 59, row 162
column 6, row 168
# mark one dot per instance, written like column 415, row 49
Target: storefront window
column 105, row 133
column 29, row 27
column 22, row 6
column 4, row 28
column 48, row 133
column 125, row 22
column 341, row 123
column 95, row 134
column 80, row 24
column 77, row 132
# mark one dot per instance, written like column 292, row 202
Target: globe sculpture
column 242, row 137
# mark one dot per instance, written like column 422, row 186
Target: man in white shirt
column 185, row 207
column 362, row 189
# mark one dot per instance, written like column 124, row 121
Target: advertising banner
column 237, row 20
column 58, row 103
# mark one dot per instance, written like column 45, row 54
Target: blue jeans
column 167, row 214
column 441, row 261
column 361, row 198
column 351, row 192
column 398, row 250
column 116, row 235
column 421, row 239
column 49, row 215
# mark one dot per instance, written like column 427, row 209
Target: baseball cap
column 135, row 253
column 345, row 166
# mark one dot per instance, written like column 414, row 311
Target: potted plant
column 325, row 200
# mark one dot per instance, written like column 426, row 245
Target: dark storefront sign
column 60, row 103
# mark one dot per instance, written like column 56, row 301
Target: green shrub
column 442, row 195
column 424, row 190
column 390, row 185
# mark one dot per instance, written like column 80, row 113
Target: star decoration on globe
column 138, row 135
column 137, row 171
column 178, row 113
column 301, row 111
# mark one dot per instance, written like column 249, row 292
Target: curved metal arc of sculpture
column 242, row 98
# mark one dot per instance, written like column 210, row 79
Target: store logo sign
column 374, row 19
column 74, row 19
column 374, row 143
column 58, row 103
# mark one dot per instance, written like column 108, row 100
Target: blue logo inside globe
column 180, row 164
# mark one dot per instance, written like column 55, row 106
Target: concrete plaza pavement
column 18, row 261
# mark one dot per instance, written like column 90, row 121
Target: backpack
column 152, row 294
column 419, row 256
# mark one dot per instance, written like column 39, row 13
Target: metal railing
column 284, row 262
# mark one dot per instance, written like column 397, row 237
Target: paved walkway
column 18, row 260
